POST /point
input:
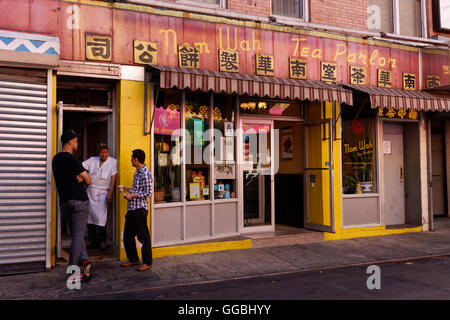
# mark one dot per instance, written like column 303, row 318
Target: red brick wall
column 343, row 13
column 256, row 7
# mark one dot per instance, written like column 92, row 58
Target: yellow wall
column 294, row 166
column 54, row 145
column 130, row 136
column 318, row 155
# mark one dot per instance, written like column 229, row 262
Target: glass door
column 257, row 176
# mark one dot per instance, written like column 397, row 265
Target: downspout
column 146, row 102
column 430, row 176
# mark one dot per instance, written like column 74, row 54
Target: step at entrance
column 284, row 237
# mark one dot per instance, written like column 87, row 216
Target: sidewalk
column 109, row 276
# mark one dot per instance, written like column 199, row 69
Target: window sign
column 228, row 61
column 98, row 47
column 328, row 71
column 297, row 68
column 145, row 52
column 188, row 57
column 358, row 75
column 433, row 81
column 166, row 121
column 358, row 151
column 198, row 132
column 384, row 78
column 409, row 81
column 264, row 65
column 398, row 113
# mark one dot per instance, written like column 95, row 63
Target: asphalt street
column 424, row 279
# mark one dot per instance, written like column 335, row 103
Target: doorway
column 257, row 175
column 439, row 178
column 289, row 189
column 87, row 107
column 401, row 158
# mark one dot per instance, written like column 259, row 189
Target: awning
column 405, row 99
column 241, row 84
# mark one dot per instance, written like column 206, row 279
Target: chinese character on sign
column 228, row 61
column 188, row 57
column 145, row 52
column 391, row 113
column 357, row 75
column 433, row 81
column 413, row 114
column 328, row 71
column 401, row 113
column 98, row 47
column 264, row 65
column 297, row 68
column 409, row 81
column 385, row 78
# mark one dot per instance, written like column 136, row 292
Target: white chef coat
column 98, row 190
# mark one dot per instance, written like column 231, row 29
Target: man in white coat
column 102, row 170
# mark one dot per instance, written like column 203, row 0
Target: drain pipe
column 430, row 177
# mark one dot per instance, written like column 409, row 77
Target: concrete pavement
column 109, row 276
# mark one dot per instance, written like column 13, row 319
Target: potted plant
column 174, row 176
column 350, row 184
column 160, row 181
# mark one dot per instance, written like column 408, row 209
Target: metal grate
column 23, row 174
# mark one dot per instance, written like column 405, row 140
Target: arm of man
column 111, row 188
column 143, row 189
column 86, row 178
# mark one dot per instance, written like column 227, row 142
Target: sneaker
column 130, row 263
column 86, row 270
column 144, row 267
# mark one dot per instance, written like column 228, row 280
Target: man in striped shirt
column 136, row 217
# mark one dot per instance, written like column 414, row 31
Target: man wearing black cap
column 71, row 180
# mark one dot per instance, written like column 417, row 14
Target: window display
column 167, row 149
column 270, row 108
column 224, row 149
column 202, row 112
column 358, row 150
column 197, row 118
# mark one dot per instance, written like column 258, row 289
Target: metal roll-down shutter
column 23, row 174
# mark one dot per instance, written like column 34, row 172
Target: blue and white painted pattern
column 23, row 42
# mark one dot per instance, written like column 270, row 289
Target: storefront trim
column 405, row 99
column 242, row 84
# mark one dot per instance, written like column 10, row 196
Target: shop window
column 410, row 20
column 271, row 108
column 197, row 119
column 167, row 146
column 358, row 150
column 208, row 144
column 215, row 3
column 288, row 8
column 403, row 17
column 224, row 148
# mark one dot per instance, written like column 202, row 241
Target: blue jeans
column 78, row 213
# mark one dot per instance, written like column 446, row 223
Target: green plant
column 159, row 174
column 350, row 183
column 174, row 176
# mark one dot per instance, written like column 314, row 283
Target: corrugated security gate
column 23, row 170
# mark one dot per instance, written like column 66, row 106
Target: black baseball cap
column 68, row 135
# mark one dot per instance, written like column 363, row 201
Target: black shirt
column 66, row 167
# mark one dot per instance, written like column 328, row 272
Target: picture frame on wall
column 287, row 143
